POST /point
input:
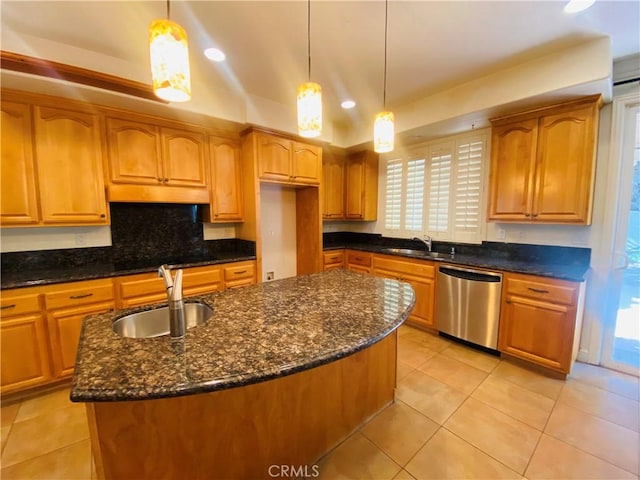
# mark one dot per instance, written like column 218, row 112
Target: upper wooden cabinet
column 18, row 195
column 283, row 160
column 333, row 185
column 145, row 154
column 226, row 180
column 543, row 164
column 52, row 172
column 361, row 186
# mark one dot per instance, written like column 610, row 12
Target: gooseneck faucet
column 177, row 324
column 426, row 240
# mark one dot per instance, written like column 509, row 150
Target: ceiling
column 432, row 45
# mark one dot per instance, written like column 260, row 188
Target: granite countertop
column 576, row 272
column 49, row 276
column 257, row 333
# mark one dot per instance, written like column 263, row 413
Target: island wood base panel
column 241, row 432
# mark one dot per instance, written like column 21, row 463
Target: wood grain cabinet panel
column 361, row 186
column 357, row 261
column 333, row 165
column 226, row 180
column 69, row 161
column 286, row 161
column 306, row 163
column 133, row 149
column 18, row 195
column 183, row 158
column 333, row 260
column 543, row 164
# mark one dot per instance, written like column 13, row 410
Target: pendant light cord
column 309, row 35
column 168, row 11
column 384, row 90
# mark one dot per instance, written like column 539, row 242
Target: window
column 436, row 189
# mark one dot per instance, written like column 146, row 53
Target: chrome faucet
column 177, row 324
column 426, row 240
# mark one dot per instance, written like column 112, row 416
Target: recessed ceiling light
column 215, row 55
column 347, row 104
column 575, row 6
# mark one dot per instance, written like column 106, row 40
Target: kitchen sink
column 418, row 253
column 155, row 323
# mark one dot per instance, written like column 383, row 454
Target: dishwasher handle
column 468, row 274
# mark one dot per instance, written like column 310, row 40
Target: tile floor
column 459, row 413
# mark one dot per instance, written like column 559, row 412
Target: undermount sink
column 155, row 323
column 418, row 253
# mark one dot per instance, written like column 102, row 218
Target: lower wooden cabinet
column 540, row 320
column 239, row 274
column 357, row 261
column 24, row 352
column 333, row 260
column 421, row 275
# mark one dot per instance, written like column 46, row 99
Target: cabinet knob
column 159, row 180
column 527, row 214
column 534, row 215
column 166, row 180
column 102, row 215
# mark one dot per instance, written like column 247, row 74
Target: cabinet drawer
column 79, row 294
column 556, row 292
column 416, row 268
column 239, row 272
column 14, row 304
column 148, row 284
column 333, row 257
column 359, row 258
column 201, row 276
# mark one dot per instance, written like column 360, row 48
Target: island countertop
column 257, row 333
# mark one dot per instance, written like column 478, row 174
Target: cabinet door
column 333, row 184
column 64, row 333
column 134, row 152
column 18, row 197
column 355, row 187
column 274, row 157
column 24, row 355
column 537, row 331
column 511, row 183
column 565, row 169
column 307, row 163
column 184, row 158
column 226, row 187
column 69, row 162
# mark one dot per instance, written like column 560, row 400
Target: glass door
column 621, row 346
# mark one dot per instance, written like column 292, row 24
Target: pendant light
column 169, row 53
column 383, row 128
column 309, row 96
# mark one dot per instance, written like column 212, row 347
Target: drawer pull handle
column 7, row 307
column 358, row 259
column 538, row 290
column 240, row 272
column 334, row 258
column 84, row 295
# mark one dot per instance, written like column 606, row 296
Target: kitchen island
column 280, row 375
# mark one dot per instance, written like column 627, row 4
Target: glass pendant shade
column 383, row 132
column 309, row 110
column 169, row 53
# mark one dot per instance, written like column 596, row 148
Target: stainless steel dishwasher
column 468, row 304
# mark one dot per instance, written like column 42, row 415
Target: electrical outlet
column 501, row 234
column 270, row 276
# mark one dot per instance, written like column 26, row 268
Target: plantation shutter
column 393, row 200
column 439, row 188
column 415, row 195
column 467, row 189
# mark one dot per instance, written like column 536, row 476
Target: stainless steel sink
column 408, row 252
column 155, row 323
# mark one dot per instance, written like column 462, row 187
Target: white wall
column 278, row 230
column 51, row 238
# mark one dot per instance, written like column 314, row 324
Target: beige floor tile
column 399, row 431
column 8, row 414
column 404, row 369
column 358, row 458
column 413, row 353
column 46, row 403
column 475, row 358
column 44, row 434
column 429, row 396
column 456, row 374
column 404, row 330
column 529, row 379
column 608, row 441
column 601, row 403
column 5, row 434
column 72, row 462
column 610, row 380
column 517, row 402
column 556, row 459
column 446, row 456
column 404, row 475
column 430, row 340
column 507, row 440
